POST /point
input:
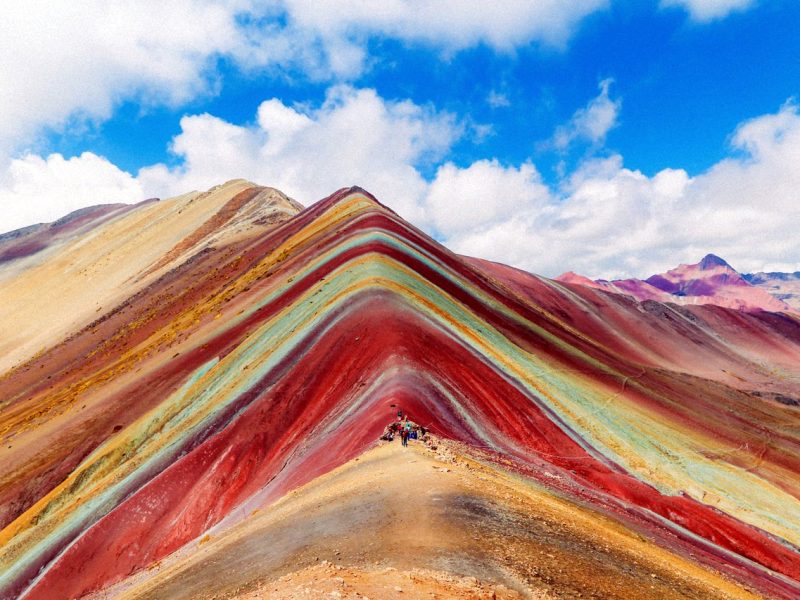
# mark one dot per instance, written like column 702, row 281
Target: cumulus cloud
column 38, row 190
column 65, row 60
column 451, row 24
column 65, row 64
column 709, row 10
column 606, row 220
column 469, row 201
column 68, row 62
column 354, row 137
column 603, row 219
column 592, row 122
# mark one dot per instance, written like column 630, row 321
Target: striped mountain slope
column 243, row 348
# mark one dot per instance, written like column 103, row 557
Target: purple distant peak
column 663, row 284
column 711, row 261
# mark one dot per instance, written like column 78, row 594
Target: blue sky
column 594, row 137
column 686, row 85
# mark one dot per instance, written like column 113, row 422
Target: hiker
column 405, row 431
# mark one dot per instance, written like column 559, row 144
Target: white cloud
column 603, row 220
column 704, row 11
column 448, row 24
column 65, row 63
column 592, row 122
column 466, row 201
column 610, row 221
column 355, row 138
column 36, row 190
column 62, row 60
column 497, row 99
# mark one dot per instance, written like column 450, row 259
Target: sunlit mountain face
column 193, row 392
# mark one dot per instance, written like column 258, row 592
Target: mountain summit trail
column 435, row 523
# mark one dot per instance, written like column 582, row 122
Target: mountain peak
column 229, row 345
column 711, row 281
column 711, row 261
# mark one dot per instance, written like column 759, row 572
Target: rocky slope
column 241, row 350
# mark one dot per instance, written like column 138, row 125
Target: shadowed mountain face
column 243, row 348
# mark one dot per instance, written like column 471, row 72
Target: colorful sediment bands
column 273, row 356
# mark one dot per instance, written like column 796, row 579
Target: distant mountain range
column 783, row 286
column 710, row 281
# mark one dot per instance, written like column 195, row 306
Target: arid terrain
column 193, row 391
column 433, row 524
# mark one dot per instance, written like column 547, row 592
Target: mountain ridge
column 274, row 355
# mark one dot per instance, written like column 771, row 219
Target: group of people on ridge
column 404, row 428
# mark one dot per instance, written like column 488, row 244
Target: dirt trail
column 434, row 524
column 332, row 581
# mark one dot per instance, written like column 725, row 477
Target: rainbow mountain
column 192, row 393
